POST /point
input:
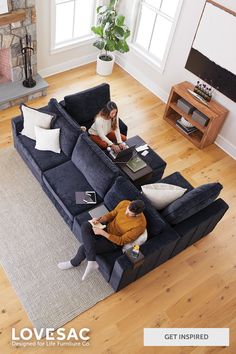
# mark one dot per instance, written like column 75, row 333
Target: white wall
column 160, row 83
column 48, row 63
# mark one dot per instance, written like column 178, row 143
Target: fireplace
column 14, row 26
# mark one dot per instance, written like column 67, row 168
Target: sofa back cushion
column 83, row 106
column 191, row 202
column 124, row 189
column 69, row 130
column 98, row 169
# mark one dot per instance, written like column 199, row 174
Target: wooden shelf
column 188, row 117
column 11, row 17
column 216, row 114
column 195, row 137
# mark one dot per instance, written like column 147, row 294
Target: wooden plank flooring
column 196, row 288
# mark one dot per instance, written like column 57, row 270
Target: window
column 72, row 21
column 155, row 27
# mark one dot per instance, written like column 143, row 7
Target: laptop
column 136, row 163
column 99, row 211
column 124, row 155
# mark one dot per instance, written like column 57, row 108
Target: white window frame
column 71, row 43
column 148, row 57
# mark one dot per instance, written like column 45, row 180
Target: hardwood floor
column 194, row 289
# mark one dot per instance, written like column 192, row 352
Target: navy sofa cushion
column 124, row 189
column 106, row 262
column 78, row 221
column 191, row 202
column 69, row 132
column 62, row 182
column 94, row 164
column 84, row 105
column 39, row 161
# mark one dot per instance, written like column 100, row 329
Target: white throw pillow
column 162, row 194
column 139, row 241
column 33, row 118
column 47, row 139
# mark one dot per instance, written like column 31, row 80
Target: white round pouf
column 104, row 68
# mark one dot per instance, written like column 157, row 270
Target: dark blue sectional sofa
column 82, row 165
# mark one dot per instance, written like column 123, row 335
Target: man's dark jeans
column 92, row 245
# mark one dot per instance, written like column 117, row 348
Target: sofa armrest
column 62, row 103
column 164, row 242
column 199, row 225
column 17, row 125
column 123, row 127
column 156, row 251
column 178, row 180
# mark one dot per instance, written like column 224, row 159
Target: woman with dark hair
column 105, row 131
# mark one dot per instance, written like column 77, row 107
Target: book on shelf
column 186, row 130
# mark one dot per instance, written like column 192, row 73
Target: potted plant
column 112, row 34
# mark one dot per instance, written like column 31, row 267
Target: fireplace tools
column 27, row 52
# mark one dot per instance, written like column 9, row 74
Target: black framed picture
column 212, row 56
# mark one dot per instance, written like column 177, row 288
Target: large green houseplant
column 112, row 34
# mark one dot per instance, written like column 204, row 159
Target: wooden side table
column 215, row 112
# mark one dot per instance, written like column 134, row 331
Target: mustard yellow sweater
column 122, row 228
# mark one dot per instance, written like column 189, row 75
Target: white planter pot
column 104, row 68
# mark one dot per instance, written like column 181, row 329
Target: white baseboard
column 70, row 64
column 142, row 78
column 227, row 146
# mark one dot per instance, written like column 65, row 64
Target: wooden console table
column 216, row 113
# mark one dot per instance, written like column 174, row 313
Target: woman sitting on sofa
column 105, row 131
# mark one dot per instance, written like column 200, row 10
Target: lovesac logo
column 60, row 337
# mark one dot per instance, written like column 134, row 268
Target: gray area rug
column 33, row 239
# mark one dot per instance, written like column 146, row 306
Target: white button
column 170, row 337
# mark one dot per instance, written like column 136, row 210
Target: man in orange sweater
column 124, row 224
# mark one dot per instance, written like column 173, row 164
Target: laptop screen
column 127, row 153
